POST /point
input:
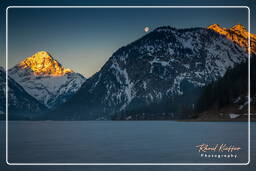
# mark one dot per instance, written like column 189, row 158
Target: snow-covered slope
column 21, row 104
column 46, row 79
column 163, row 63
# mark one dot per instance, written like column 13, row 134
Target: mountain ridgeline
column 159, row 76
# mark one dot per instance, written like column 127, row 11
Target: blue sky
column 83, row 39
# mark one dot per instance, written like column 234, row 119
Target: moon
column 146, row 29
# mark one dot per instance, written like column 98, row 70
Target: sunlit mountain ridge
column 237, row 34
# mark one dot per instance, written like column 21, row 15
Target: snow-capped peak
column 42, row 63
column 46, row 79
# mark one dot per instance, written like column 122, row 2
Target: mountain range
column 153, row 77
column 164, row 64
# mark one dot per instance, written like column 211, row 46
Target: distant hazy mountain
column 46, row 79
column 21, row 104
column 165, row 63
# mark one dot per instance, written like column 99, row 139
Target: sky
column 83, row 39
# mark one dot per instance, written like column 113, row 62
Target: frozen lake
column 122, row 142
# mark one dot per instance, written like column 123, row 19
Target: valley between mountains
column 168, row 74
